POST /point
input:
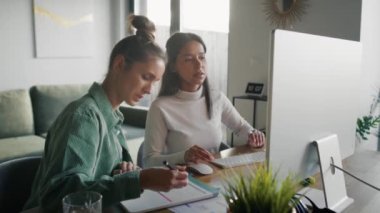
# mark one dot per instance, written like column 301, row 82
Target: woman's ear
column 118, row 63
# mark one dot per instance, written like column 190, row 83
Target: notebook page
column 152, row 200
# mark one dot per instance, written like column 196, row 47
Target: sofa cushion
column 131, row 132
column 134, row 116
column 49, row 100
column 15, row 147
column 16, row 116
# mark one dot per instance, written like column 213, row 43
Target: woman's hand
column 256, row 139
column 196, row 154
column 159, row 179
column 125, row 167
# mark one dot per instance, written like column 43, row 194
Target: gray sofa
column 26, row 115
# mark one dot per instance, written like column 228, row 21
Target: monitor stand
column 333, row 182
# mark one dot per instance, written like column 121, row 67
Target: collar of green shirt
column 112, row 117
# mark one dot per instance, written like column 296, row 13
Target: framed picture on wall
column 63, row 28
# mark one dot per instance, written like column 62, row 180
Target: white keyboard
column 239, row 160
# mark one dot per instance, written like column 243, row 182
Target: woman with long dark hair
column 185, row 122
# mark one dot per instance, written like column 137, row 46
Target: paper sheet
column 212, row 205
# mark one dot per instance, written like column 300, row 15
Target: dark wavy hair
column 170, row 84
column 139, row 47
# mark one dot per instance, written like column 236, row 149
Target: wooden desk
column 218, row 172
column 365, row 164
column 217, row 177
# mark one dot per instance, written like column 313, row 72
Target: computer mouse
column 200, row 168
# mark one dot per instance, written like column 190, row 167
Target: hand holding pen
column 170, row 167
column 166, row 163
column 159, row 179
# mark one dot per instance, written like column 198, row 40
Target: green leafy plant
column 260, row 192
column 368, row 122
column 365, row 124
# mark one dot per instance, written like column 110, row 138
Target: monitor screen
column 313, row 92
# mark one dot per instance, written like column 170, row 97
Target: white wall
column 370, row 39
column 337, row 18
column 19, row 68
column 250, row 39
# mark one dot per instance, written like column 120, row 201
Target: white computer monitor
column 313, row 92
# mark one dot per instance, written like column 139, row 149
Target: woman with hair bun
column 85, row 148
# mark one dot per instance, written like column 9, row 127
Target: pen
column 166, row 163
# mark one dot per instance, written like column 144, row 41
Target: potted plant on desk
column 260, row 192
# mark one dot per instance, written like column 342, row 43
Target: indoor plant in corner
column 260, row 192
column 370, row 121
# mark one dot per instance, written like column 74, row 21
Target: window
column 213, row 28
column 194, row 16
column 159, row 12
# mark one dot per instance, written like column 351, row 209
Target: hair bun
column 144, row 27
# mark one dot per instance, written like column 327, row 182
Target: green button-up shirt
column 83, row 147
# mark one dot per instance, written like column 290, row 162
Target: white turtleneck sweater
column 175, row 123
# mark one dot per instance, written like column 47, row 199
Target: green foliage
column 367, row 122
column 260, row 192
column 364, row 125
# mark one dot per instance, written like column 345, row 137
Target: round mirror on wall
column 283, row 13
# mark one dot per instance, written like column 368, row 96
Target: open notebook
column 152, row 200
